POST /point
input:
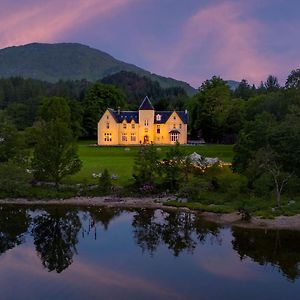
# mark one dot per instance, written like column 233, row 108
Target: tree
column 293, row 80
column 244, row 90
column 13, row 178
column 208, row 109
column 55, row 108
column 146, row 167
column 11, row 143
column 98, row 98
column 268, row 162
column 55, row 152
column 173, row 168
column 271, row 84
column 104, row 183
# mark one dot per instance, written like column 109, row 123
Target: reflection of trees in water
column 177, row 230
column 55, row 237
column 280, row 248
column 99, row 215
column 14, row 222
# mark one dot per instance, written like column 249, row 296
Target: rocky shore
column 230, row 219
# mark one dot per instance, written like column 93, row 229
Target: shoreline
column 226, row 219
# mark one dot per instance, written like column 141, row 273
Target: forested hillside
column 70, row 61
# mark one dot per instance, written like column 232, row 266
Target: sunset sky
column 189, row 40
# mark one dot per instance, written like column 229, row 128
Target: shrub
column 193, row 189
column 13, row 179
column 104, row 183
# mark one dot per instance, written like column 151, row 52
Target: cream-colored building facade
column 145, row 126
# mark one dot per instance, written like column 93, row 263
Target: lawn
column 120, row 160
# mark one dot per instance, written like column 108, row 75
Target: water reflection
column 55, row 233
column 179, row 231
column 280, row 248
column 14, row 222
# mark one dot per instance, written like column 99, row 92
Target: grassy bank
column 253, row 206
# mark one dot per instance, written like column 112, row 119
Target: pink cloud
column 219, row 40
column 48, row 20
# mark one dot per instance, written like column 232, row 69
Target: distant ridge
column 70, row 61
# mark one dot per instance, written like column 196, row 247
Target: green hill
column 70, row 61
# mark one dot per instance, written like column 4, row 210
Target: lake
column 64, row 252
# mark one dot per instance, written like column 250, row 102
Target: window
column 158, row 117
column 133, row 137
column 146, row 129
column 132, row 126
column 174, row 136
column 146, row 123
column 124, row 125
column 158, row 129
column 180, row 126
column 107, row 125
column 124, row 137
column 174, row 126
column 107, row 137
column 107, row 117
column 174, row 117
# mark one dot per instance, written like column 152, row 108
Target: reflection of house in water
column 145, row 126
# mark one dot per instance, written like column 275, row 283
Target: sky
column 190, row 40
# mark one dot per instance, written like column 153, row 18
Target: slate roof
column 125, row 115
column 146, row 104
column 165, row 115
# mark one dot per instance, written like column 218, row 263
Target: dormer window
column 158, row 117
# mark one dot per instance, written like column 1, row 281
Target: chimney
column 118, row 110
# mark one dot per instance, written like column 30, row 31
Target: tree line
column 20, row 98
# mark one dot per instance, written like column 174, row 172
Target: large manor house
column 145, row 126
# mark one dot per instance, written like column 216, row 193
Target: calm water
column 97, row 253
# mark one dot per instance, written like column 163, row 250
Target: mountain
column 52, row 62
column 232, row 84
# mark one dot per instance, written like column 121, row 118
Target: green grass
column 256, row 206
column 119, row 161
column 202, row 207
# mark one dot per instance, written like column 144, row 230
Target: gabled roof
column 165, row 115
column 146, row 104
